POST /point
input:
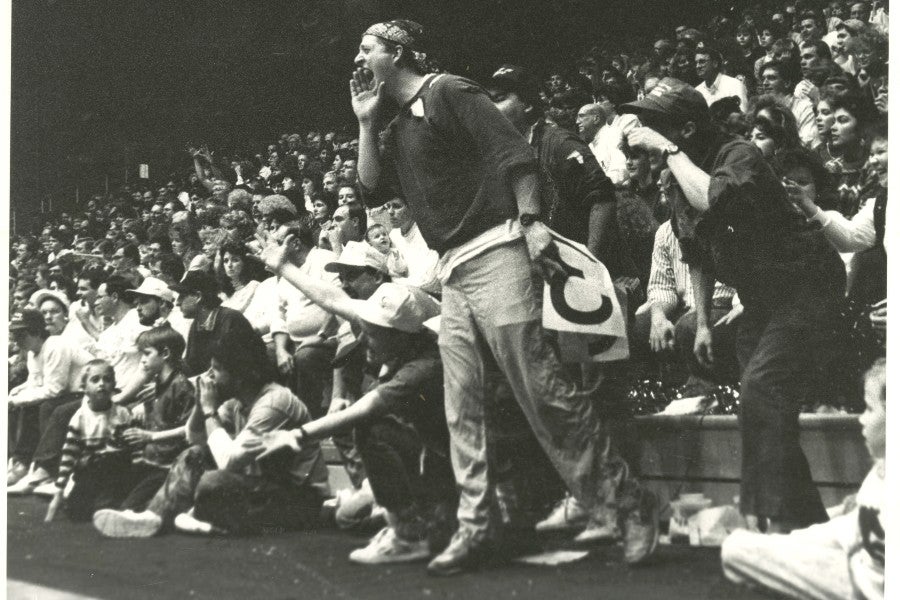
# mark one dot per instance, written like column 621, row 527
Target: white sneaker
column 15, row 471
column 596, row 533
column 567, row 514
column 127, row 523
column 186, row 522
column 27, row 483
column 48, row 488
column 387, row 547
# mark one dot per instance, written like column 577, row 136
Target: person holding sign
column 471, row 182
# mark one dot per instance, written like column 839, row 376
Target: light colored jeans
column 492, row 306
column 809, row 563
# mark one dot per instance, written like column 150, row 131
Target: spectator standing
column 466, row 212
column 735, row 224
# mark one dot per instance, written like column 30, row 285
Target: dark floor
column 73, row 557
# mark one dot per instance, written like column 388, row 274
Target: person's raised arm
column 367, row 100
column 330, row 298
column 693, row 180
column 198, row 169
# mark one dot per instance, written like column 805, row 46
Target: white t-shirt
column 118, row 344
column 421, row 260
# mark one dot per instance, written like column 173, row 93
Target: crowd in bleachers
column 179, row 350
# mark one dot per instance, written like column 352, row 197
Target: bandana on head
column 408, row 34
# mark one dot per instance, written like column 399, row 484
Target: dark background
column 99, row 87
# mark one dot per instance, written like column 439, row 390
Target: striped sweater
column 90, row 435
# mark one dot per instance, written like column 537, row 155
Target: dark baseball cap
column 196, row 281
column 674, row 99
column 29, row 320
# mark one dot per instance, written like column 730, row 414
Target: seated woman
column 774, row 128
column 846, row 157
column 239, row 275
column 323, row 206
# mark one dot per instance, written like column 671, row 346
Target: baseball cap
column 151, row 286
column 672, row 98
column 397, row 306
column 41, row 295
column 358, row 254
column 28, row 320
column 196, row 281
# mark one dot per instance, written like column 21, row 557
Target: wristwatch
column 528, row 219
column 669, row 150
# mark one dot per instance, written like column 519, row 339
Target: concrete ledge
column 692, row 453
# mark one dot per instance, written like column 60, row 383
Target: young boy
column 162, row 438
column 92, row 454
column 377, row 237
column 843, row 558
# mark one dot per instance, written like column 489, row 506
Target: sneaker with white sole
column 48, row 488
column 27, row 484
column 15, row 471
column 598, row 533
column 567, row 514
column 186, row 522
column 127, row 523
column 388, row 547
column 641, row 529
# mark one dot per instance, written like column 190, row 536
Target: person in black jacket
column 198, row 298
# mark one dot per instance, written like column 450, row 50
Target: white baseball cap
column 398, row 306
column 151, row 286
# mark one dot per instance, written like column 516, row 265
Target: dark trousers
column 313, row 375
column 29, row 424
column 780, row 351
column 105, row 482
column 53, row 438
column 235, row 502
column 409, row 470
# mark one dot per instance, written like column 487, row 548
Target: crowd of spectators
column 180, row 350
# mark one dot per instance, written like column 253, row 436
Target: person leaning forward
column 471, row 182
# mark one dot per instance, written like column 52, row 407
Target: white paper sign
column 144, row 171
column 584, row 308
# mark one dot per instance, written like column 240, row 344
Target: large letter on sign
column 558, row 298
